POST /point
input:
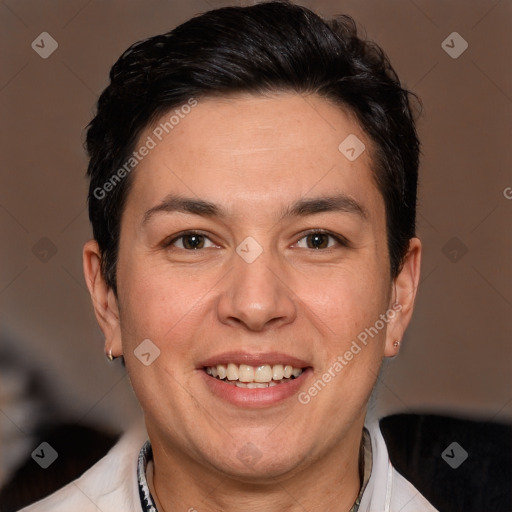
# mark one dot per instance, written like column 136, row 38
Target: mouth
column 253, row 377
column 255, row 380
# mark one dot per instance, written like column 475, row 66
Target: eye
column 191, row 242
column 319, row 240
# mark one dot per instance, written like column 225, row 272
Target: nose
column 256, row 296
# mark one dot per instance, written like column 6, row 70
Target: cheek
column 345, row 301
column 346, row 309
column 161, row 305
column 169, row 310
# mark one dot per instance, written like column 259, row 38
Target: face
column 252, row 249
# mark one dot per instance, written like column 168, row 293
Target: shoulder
column 110, row 485
column 388, row 490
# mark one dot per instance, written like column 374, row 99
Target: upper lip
column 254, row 359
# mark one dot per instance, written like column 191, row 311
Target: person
column 253, row 179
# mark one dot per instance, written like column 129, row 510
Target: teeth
column 221, row 370
column 277, row 372
column 245, row 373
column 263, row 373
column 253, row 385
column 231, row 372
column 295, row 372
column 247, row 376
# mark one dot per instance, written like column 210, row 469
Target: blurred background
column 457, row 356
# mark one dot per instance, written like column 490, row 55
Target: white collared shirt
column 111, row 485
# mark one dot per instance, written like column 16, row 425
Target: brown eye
column 317, row 241
column 191, row 242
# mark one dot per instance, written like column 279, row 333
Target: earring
column 396, row 343
column 109, row 355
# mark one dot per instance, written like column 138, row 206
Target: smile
column 247, row 376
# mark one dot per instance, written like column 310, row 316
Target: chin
column 263, row 472
column 250, row 464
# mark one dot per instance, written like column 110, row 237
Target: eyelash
column 340, row 240
column 170, row 241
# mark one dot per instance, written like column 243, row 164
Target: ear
column 403, row 295
column 103, row 298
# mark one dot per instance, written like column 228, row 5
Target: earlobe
column 103, row 299
column 404, row 295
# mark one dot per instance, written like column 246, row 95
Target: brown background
column 457, row 353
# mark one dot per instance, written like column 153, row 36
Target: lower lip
column 256, row 397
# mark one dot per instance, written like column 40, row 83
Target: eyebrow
column 301, row 208
column 173, row 203
column 337, row 203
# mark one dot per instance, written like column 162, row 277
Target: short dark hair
column 268, row 47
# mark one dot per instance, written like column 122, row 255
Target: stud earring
column 396, row 343
column 109, row 355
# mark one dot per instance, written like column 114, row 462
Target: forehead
column 252, row 151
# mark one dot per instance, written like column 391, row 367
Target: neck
column 329, row 482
